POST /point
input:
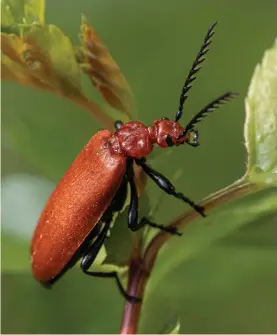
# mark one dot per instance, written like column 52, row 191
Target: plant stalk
column 141, row 267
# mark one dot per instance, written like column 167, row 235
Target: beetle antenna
column 194, row 69
column 208, row 109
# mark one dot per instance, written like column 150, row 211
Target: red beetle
column 78, row 215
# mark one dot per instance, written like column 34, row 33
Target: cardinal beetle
column 78, row 215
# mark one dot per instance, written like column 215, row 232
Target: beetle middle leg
column 171, row 230
column 133, row 222
column 167, row 186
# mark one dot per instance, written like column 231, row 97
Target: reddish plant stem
column 234, row 191
column 140, row 268
column 137, row 281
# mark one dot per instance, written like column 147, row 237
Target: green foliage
column 261, row 121
column 23, row 12
column 229, row 217
column 172, row 327
column 200, row 234
column 43, row 57
column 41, row 60
column 214, row 291
column 260, row 137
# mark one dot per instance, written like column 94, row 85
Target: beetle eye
column 193, row 138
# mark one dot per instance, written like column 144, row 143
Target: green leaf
column 222, row 222
column 44, row 58
column 229, row 218
column 38, row 59
column 261, row 121
column 58, row 49
column 226, row 289
column 179, row 278
column 23, row 12
column 172, row 326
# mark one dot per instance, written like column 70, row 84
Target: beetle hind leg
column 93, row 249
column 114, row 274
column 89, row 258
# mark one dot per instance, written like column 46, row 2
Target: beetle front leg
column 167, row 186
column 118, row 124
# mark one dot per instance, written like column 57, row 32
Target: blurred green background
column 228, row 288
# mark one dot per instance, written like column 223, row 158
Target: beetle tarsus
column 114, row 274
column 170, row 230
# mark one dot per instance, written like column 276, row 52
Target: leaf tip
column 260, row 128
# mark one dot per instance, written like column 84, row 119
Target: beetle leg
column 90, row 256
column 133, row 223
column 167, row 186
column 170, row 230
column 118, row 124
column 94, row 248
column 169, row 141
column 114, row 274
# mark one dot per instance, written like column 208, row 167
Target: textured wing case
column 76, row 206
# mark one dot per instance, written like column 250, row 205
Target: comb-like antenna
column 194, row 69
column 208, row 109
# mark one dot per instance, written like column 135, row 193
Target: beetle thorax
column 136, row 140
column 132, row 140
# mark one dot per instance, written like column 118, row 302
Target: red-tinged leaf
column 103, row 71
